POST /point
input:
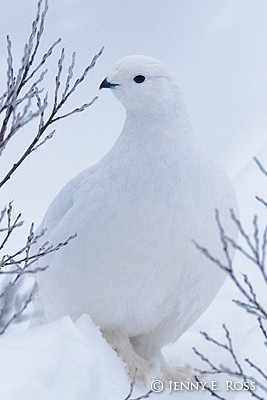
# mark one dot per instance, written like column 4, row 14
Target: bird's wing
column 65, row 200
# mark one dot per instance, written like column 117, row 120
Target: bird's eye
column 139, row 78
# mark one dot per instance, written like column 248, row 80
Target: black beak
column 106, row 84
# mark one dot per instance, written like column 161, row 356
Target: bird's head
column 143, row 85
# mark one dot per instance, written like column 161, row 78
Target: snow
column 71, row 360
column 60, row 360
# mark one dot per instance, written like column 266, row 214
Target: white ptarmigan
column 133, row 266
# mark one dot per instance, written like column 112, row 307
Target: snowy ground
column 72, row 361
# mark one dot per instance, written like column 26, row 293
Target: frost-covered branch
column 237, row 371
column 132, row 386
column 10, row 225
column 13, row 305
column 21, row 261
column 24, row 101
column 18, row 264
column 27, row 103
column 253, row 250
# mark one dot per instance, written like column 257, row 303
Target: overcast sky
column 216, row 48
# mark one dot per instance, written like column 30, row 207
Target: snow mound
column 61, row 360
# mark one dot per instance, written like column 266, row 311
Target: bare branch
column 25, row 101
column 48, row 137
column 11, row 225
column 263, row 330
column 261, row 201
column 259, row 164
column 16, row 316
column 22, row 89
column 58, row 78
column 253, row 250
column 53, row 117
column 76, row 110
column 69, row 76
column 212, row 392
column 258, row 369
column 43, row 60
column 258, row 250
column 132, row 385
column 81, row 78
column 239, row 372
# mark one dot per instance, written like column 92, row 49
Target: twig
column 212, row 392
column 254, row 250
column 18, row 107
column 132, row 385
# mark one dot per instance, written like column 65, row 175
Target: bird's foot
column 178, row 374
column 138, row 369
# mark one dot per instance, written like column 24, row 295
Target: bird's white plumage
column 133, row 266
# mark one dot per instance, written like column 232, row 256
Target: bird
column 133, row 266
